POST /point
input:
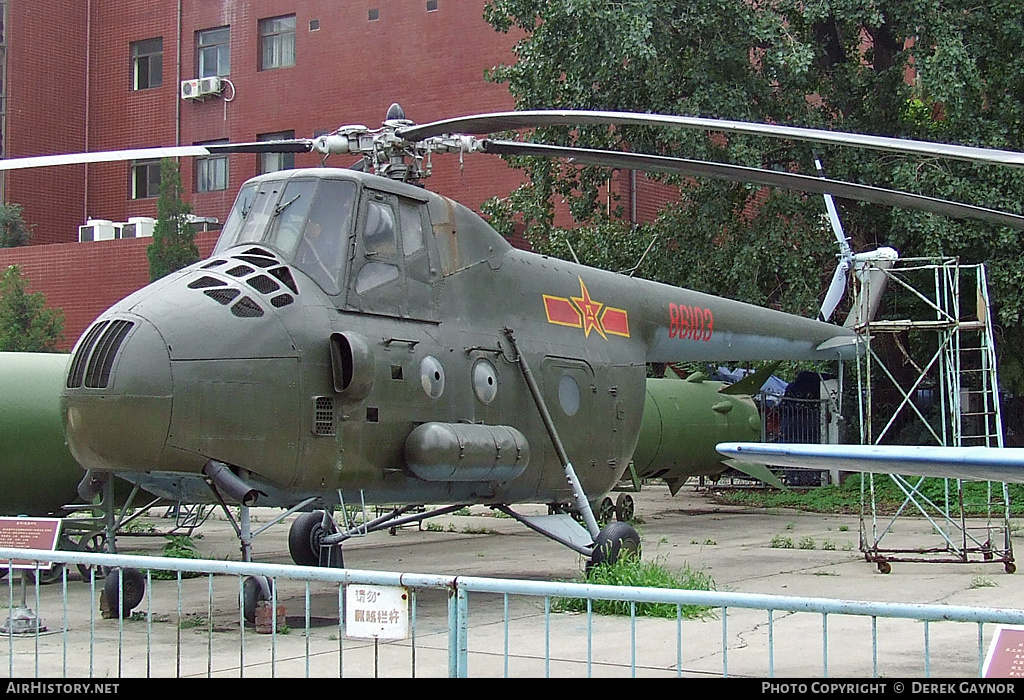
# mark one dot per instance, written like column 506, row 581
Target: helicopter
column 355, row 336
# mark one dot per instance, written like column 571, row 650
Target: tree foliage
column 26, row 325
column 941, row 70
column 14, row 231
column 174, row 245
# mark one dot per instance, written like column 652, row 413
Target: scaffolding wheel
column 624, row 507
column 884, row 567
column 1009, row 567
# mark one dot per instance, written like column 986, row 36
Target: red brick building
column 96, row 75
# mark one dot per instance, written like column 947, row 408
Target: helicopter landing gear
column 254, row 590
column 616, row 541
column 123, row 591
column 306, row 539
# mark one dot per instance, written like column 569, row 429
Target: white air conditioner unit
column 210, row 86
column 138, row 227
column 190, row 89
column 99, row 230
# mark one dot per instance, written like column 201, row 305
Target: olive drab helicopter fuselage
column 356, row 334
column 358, row 339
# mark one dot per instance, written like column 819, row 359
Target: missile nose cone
column 116, row 402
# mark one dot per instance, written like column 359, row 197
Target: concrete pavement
column 742, row 549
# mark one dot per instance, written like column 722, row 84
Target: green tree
column 837, row 64
column 14, row 231
column 174, row 245
column 26, row 325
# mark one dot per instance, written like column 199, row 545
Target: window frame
column 286, row 160
column 133, row 182
column 267, row 30
column 141, row 55
column 221, row 50
column 219, row 163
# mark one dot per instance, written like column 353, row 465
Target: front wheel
column 123, row 590
column 305, row 536
column 254, row 590
column 615, row 541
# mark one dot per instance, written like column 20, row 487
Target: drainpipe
column 88, row 105
column 177, row 102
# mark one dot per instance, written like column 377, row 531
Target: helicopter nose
column 116, row 403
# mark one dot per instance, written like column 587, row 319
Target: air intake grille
column 222, row 296
column 263, row 284
column 95, row 357
column 77, row 371
column 246, row 308
column 323, row 416
column 102, row 359
column 205, row 281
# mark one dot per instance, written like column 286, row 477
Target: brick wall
column 84, row 279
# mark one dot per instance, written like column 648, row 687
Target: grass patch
column 846, row 498
column 631, row 571
column 177, row 547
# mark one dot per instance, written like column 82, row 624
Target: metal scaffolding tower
column 928, row 376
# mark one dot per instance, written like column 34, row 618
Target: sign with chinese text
column 29, row 533
column 1005, row 658
column 376, row 612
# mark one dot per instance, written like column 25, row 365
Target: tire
column 605, row 511
column 624, row 507
column 253, row 592
column 305, row 536
column 615, row 541
column 124, row 601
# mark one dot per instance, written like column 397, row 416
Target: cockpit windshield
column 307, row 221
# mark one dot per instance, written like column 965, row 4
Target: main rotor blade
column 285, row 146
column 504, row 121
column 771, row 178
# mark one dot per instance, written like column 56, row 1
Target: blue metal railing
column 572, row 644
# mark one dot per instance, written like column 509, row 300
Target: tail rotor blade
column 835, row 292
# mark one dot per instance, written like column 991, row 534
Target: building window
column 213, row 49
column 212, row 172
column 147, row 63
column 145, row 179
column 373, row 15
column 431, row 5
column 272, row 162
column 277, row 42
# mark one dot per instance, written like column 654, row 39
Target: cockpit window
column 289, row 216
column 309, row 224
column 321, row 253
column 249, row 216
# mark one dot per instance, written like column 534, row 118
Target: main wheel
column 305, row 536
column 253, row 591
column 123, row 590
column 615, row 541
column 624, row 507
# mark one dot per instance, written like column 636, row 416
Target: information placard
column 29, row 533
column 376, row 612
column 1005, row 657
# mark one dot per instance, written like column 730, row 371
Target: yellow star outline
column 589, row 311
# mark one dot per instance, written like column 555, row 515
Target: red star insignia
column 589, row 310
